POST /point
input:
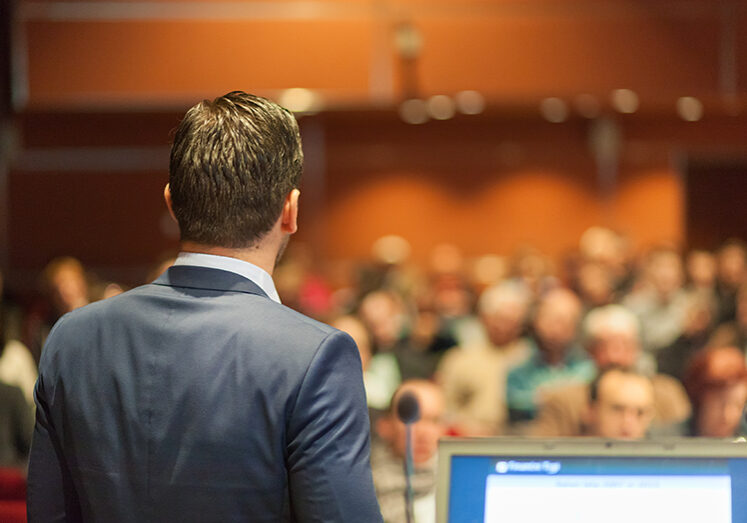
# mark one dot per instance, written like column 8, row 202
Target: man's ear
column 289, row 217
column 167, row 199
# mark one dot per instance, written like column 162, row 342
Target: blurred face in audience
column 731, row 265
column 701, row 268
column 698, row 316
column 68, row 288
column 595, row 283
column 665, row 273
column 425, row 432
column 615, row 346
column 451, row 297
column 383, row 314
column 720, row 410
column 624, row 406
column 742, row 307
column 556, row 323
column 506, row 323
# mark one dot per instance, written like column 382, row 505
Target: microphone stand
column 408, row 412
column 409, row 493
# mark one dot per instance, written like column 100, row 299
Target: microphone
column 408, row 408
column 408, row 412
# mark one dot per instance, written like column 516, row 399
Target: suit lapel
column 192, row 277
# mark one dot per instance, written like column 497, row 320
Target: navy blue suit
column 197, row 398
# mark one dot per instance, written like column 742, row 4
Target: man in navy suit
column 199, row 397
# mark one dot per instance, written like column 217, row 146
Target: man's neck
column 260, row 255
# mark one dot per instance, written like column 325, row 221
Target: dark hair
column 713, row 368
column 233, row 162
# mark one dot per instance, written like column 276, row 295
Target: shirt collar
column 243, row 268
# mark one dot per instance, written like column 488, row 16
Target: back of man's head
column 233, row 163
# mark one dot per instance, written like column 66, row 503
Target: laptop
column 588, row 480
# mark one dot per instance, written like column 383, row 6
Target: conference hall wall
column 98, row 87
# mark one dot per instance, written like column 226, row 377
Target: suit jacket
column 197, row 398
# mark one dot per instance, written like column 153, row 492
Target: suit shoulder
column 294, row 317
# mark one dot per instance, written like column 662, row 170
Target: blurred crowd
column 608, row 342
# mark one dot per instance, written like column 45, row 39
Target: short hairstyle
column 713, row 368
column 609, row 317
column 596, row 382
column 57, row 265
column 503, row 294
column 734, row 244
column 233, row 162
column 555, row 296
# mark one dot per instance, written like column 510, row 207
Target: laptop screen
column 585, row 481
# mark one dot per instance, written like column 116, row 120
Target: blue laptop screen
column 489, row 489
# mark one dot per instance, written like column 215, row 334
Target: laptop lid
column 585, row 480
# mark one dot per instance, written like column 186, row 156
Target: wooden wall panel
column 167, row 62
column 88, row 53
column 487, row 183
column 528, row 56
column 109, row 220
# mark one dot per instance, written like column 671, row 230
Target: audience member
column 390, row 321
column 66, row 288
column 385, row 316
column 17, row 366
column 595, row 285
column 16, row 427
column 10, row 315
column 555, row 356
column 661, row 302
column 732, row 273
column 700, row 267
column 452, row 306
column 474, row 377
column 533, row 269
column 388, row 454
column 716, row 381
column 380, row 373
column 494, row 368
column 610, row 250
column 696, row 332
column 733, row 333
column 621, row 404
column 611, row 337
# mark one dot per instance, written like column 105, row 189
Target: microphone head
column 408, row 408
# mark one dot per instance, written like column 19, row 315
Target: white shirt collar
column 242, row 268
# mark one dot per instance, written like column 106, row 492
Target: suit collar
column 192, row 277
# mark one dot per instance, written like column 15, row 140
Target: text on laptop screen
column 589, row 489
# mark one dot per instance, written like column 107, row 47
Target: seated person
column 611, row 337
column 65, row 285
column 660, row 300
column 388, row 454
column 555, row 357
column 716, row 381
column 16, row 427
column 474, row 377
column 380, row 374
column 621, row 404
